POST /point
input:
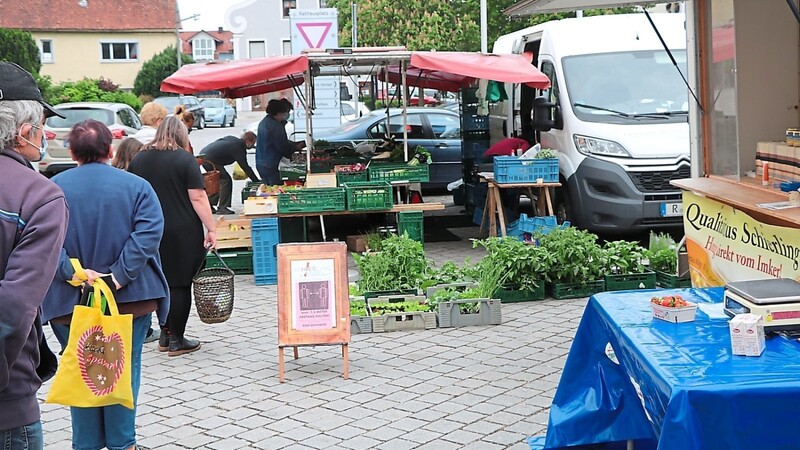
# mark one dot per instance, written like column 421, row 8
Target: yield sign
column 314, row 32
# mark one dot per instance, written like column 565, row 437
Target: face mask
column 42, row 148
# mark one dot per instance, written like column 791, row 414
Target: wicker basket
column 210, row 177
column 213, row 293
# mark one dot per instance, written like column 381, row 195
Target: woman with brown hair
column 175, row 176
column 125, row 153
column 187, row 117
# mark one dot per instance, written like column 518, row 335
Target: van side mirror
column 545, row 114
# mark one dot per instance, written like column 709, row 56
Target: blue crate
column 265, row 237
column 511, row 169
column 540, row 225
column 513, row 229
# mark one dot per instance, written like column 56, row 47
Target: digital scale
column 777, row 301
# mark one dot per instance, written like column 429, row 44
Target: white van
column 617, row 112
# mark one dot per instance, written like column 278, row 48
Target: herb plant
column 521, row 265
column 380, row 309
column 661, row 254
column 546, row 153
column 577, row 257
column 624, row 257
column 358, row 308
column 400, row 264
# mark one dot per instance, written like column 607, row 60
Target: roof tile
column 96, row 15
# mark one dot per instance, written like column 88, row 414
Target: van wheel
column 563, row 208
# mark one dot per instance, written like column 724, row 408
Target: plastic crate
column 240, row 262
column 291, row 175
column 512, row 295
column 411, row 222
column 399, row 172
column 450, row 315
column 474, row 123
column 630, row 281
column 510, row 169
column 482, row 135
column 368, row 196
column 561, row 291
column 248, row 189
column 373, row 294
column 360, row 324
column 312, row 200
column 350, row 177
column 540, row 224
column 265, row 259
column 666, row 280
column 469, row 95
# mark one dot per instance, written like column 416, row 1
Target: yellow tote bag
column 96, row 367
column 238, row 172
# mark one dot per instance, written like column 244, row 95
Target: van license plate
column 672, row 209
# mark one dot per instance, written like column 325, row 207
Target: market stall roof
column 528, row 7
column 451, row 71
column 239, row 78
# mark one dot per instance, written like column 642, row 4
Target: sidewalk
column 475, row 387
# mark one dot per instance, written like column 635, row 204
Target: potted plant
column 525, row 268
column 579, row 263
column 662, row 255
column 399, row 266
column 359, row 319
column 458, row 307
column 625, row 267
column 400, row 313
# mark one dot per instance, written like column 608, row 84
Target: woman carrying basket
column 115, row 226
column 175, row 176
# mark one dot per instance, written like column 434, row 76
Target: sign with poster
column 317, row 28
column 313, row 297
column 725, row 244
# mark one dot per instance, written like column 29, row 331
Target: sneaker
column 179, row 346
column 152, row 335
column 225, row 211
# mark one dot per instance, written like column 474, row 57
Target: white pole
column 484, row 38
column 579, row 13
column 355, row 24
column 309, row 138
column 403, row 67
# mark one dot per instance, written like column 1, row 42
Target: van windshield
column 627, row 87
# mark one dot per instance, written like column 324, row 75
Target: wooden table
column 494, row 203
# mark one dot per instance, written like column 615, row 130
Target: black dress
column 172, row 173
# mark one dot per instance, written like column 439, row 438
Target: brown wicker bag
column 213, row 293
column 211, row 179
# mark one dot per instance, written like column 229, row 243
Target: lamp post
column 178, row 21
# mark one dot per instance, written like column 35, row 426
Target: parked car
column 192, row 105
column 436, row 129
column 120, row 118
column 218, row 112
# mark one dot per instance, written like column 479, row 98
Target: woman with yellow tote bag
column 96, row 367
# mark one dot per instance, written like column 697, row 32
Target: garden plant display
column 624, row 257
column 399, row 264
column 577, row 256
column 661, row 254
column 524, row 266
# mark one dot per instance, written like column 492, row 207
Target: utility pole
column 484, row 38
column 178, row 21
column 355, row 24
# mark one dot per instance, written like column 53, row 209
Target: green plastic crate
column 240, row 262
column 327, row 165
column 509, row 294
column 561, row 291
column 350, row 177
column 644, row 280
column 666, row 280
column 399, row 172
column 368, row 196
column 312, row 200
column 247, row 187
column 291, row 175
column 411, row 222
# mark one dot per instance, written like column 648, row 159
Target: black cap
column 17, row 83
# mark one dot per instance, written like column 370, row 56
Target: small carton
column 357, row 243
column 747, row 334
column 261, row 205
column 321, row 180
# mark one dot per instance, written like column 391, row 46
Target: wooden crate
column 233, row 233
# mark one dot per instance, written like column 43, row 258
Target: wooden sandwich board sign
column 313, row 298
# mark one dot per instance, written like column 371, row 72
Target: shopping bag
column 96, row 367
column 238, row 172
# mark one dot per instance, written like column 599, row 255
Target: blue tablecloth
column 695, row 393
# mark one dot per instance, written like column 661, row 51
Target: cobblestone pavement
column 475, row 387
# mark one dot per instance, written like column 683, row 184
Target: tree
column 18, row 46
column 155, row 70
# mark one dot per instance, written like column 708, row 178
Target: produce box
column 539, row 224
column 561, row 291
column 312, row 200
column 511, row 169
column 357, row 243
column 399, row 172
column 631, row 281
column 411, row 222
column 260, row 205
column 672, row 308
column 350, row 173
column 368, row 196
column 666, row 280
column 239, row 261
column 233, row 233
column 489, row 312
column 514, row 295
column 321, row 180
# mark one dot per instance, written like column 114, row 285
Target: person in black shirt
column 223, row 152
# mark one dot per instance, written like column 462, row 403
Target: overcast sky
column 211, row 13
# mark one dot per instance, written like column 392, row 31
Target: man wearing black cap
column 33, row 221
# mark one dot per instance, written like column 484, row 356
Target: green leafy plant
column 578, row 258
column 546, row 153
column 523, row 266
column 448, row 273
column 382, row 308
column 399, row 264
column 90, row 90
column 661, row 253
column 624, row 257
column 358, row 308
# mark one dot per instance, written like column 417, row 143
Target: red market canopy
column 239, row 78
column 450, row 71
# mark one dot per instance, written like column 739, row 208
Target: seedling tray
column 450, row 314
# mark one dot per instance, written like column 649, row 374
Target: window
column 47, row 51
column 415, row 129
column 128, row 118
column 444, row 126
column 202, row 49
column 347, row 110
column 257, row 49
column 119, row 51
column 287, row 47
column 287, row 5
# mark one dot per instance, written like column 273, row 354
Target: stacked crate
column 474, row 143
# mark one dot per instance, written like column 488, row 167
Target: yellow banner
column 725, row 244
